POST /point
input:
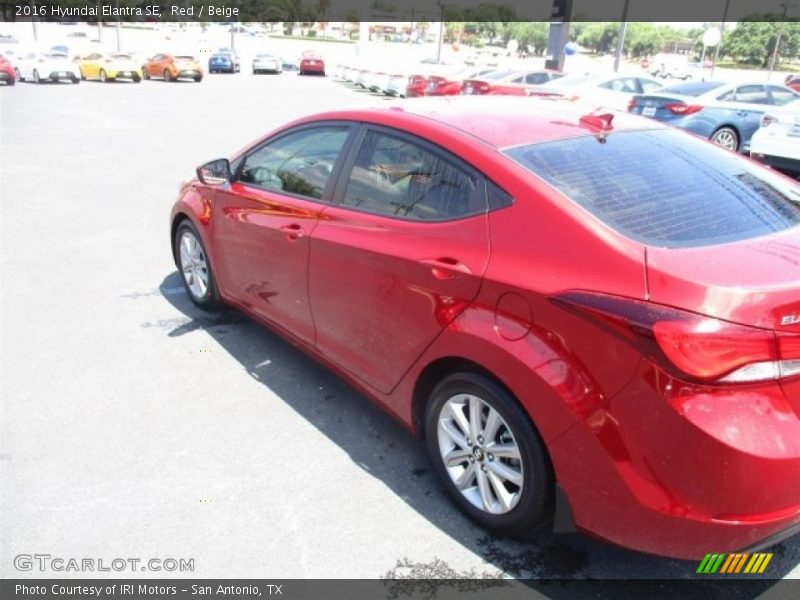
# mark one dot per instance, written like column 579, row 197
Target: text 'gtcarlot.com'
column 46, row 562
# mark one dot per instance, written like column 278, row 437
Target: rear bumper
column 791, row 165
column 678, row 470
column 6, row 77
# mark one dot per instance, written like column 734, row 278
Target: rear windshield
column 666, row 188
column 692, row 89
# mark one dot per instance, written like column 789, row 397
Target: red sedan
column 508, row 81
column 311, row 62
column 592, row 319
column 7, row 73
column 449, row 84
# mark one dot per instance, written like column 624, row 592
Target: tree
column 753, row 42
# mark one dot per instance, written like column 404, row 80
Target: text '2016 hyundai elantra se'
column 591, row 318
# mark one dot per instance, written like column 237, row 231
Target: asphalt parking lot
column 136, row 425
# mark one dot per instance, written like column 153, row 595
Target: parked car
column 7, row 74
column 793, row 82
column 267, row 63
column 687, row 72
column 311, row 62
column 613, row 91
column 508, row 80
column 602, row 335
column 46, row 66
column 777, row 142
column 224, row 60
column 109, row 67
column 449, row 82
column 727, row 114
column 170, row 67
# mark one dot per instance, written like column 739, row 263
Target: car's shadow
column 383, row 448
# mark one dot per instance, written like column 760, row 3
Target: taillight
column 679, row 108
column 767, row 120
column 689, row 345
column 631, row 104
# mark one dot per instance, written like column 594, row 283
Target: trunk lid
column 753, row 282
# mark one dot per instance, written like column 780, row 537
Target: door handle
column 293, row 231
column 446, row 267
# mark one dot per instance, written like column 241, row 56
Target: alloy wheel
column 726, row 138
column 194, row 265
column 480, row 454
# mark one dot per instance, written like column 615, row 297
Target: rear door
column 264, row 218
column 398, row 254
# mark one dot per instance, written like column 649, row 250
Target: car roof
column 502, row 121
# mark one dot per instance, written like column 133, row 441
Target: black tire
column 167, row 76
column 145, row 74
column 136, row 78
column 75, row 80
column 83, row 77
column 534, row 508
column 102, row 76
column 17, row 75
column 210, row 300
column 726, row 133
column 36, row 78
column 11, row 81
column 198, row 78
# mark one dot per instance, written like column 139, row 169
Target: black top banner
column 399, row 10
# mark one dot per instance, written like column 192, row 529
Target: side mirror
column 215, row 172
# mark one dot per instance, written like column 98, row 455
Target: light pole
column 721, row 35
column 33, row 21
column 440, row 4
column 119, row 26
column 621, row 37
column 773, row 59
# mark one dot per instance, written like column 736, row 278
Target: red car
column 508, row 81
column 311, row 62
column 417, row 84
column 7, row 74
column 450, row 84
column 592, row 319
column 793, row 81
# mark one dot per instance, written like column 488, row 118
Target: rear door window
column 665, row 188
column 397, row 177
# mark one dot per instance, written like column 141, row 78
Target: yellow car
column 108, row 67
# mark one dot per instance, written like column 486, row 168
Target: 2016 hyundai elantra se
column 591, row 318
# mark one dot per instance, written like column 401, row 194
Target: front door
column 264, row 218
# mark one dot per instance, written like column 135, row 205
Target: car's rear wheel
column 17, row 75
column 195, row 267
column 145, row 74
column 198, row 78
column 36, row 78
column 488, row 455
column 75, row 80
column 103, row 76
column 727, row 138
column 167, row 76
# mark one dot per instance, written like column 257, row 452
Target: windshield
column 665, row 188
